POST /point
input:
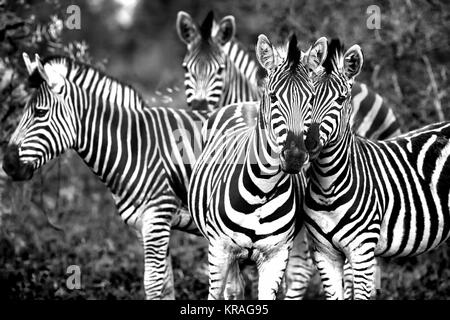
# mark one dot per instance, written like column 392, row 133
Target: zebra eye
column 220, row 70
column 273, row 98
column 40, row 112
column 341, row 99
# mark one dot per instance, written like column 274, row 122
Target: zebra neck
column 240, row 84
column 332, row 168
column 113, row 134
column 262, row 162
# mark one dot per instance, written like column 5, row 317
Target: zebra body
column 366, row 199
column 144, row 155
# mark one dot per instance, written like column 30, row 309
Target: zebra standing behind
column 218, row 71
column 132, row 148
column 245, row 191
column 365, row 199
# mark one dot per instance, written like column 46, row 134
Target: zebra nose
column 293, row 155
column 13, row 167
column 312, row 141
column 199, row 104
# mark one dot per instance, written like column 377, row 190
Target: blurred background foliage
column 65, row 216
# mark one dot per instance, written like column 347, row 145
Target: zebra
column 246, row 188
column 144, row 155
column 364, row 198
column 220, row 71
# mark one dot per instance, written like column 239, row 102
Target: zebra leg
column 220, row 264
column 348, row 281
column 330, row 268
column 363, row 265
column 155, row 237
column 168, row 290
column 235, row 283
column 271, row 270
column 300, row 268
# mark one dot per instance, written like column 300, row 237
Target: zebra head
column 332, row 106
column 47, row 127
column 205, row 62
column 288, row 91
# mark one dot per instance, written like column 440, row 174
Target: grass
column 34, row 256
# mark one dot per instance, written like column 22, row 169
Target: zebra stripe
column 144, row 155
column 366, row 199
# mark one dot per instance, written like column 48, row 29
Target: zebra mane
column 242, row 59
column 70, row 68
column 206, row 27
column 333, row 61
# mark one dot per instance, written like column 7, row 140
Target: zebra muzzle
column 312, row 142
column 16, row 169
column 293, row 155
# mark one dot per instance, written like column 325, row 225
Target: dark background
column 406, row 61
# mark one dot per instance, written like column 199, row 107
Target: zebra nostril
column 199, row 104
column 312, row 138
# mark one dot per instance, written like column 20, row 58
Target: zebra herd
column 271, row 162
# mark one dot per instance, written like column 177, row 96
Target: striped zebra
column 144, row 155
column 245, row 190
column 220, row 71
column 365, row 199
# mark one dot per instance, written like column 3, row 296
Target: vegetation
column 65, row 216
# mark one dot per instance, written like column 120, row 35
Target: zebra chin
column 16, row 169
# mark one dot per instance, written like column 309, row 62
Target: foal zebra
column 365, row 199
column 245, row 190
column 144, row 155
column 220, row 71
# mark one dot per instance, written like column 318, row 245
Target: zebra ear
column 316, row 55
column 28, row 64
column 186, row 28
column 265, row 53
column 226, row 30
column 53, row 79
column 353, row 61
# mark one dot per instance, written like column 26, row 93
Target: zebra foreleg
column 271, row 270
column 168, row 291
column 330, row 268
column 300, row 268
column 221, row 264
column 348, row 280
column 363, row 263
column 155, row 237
